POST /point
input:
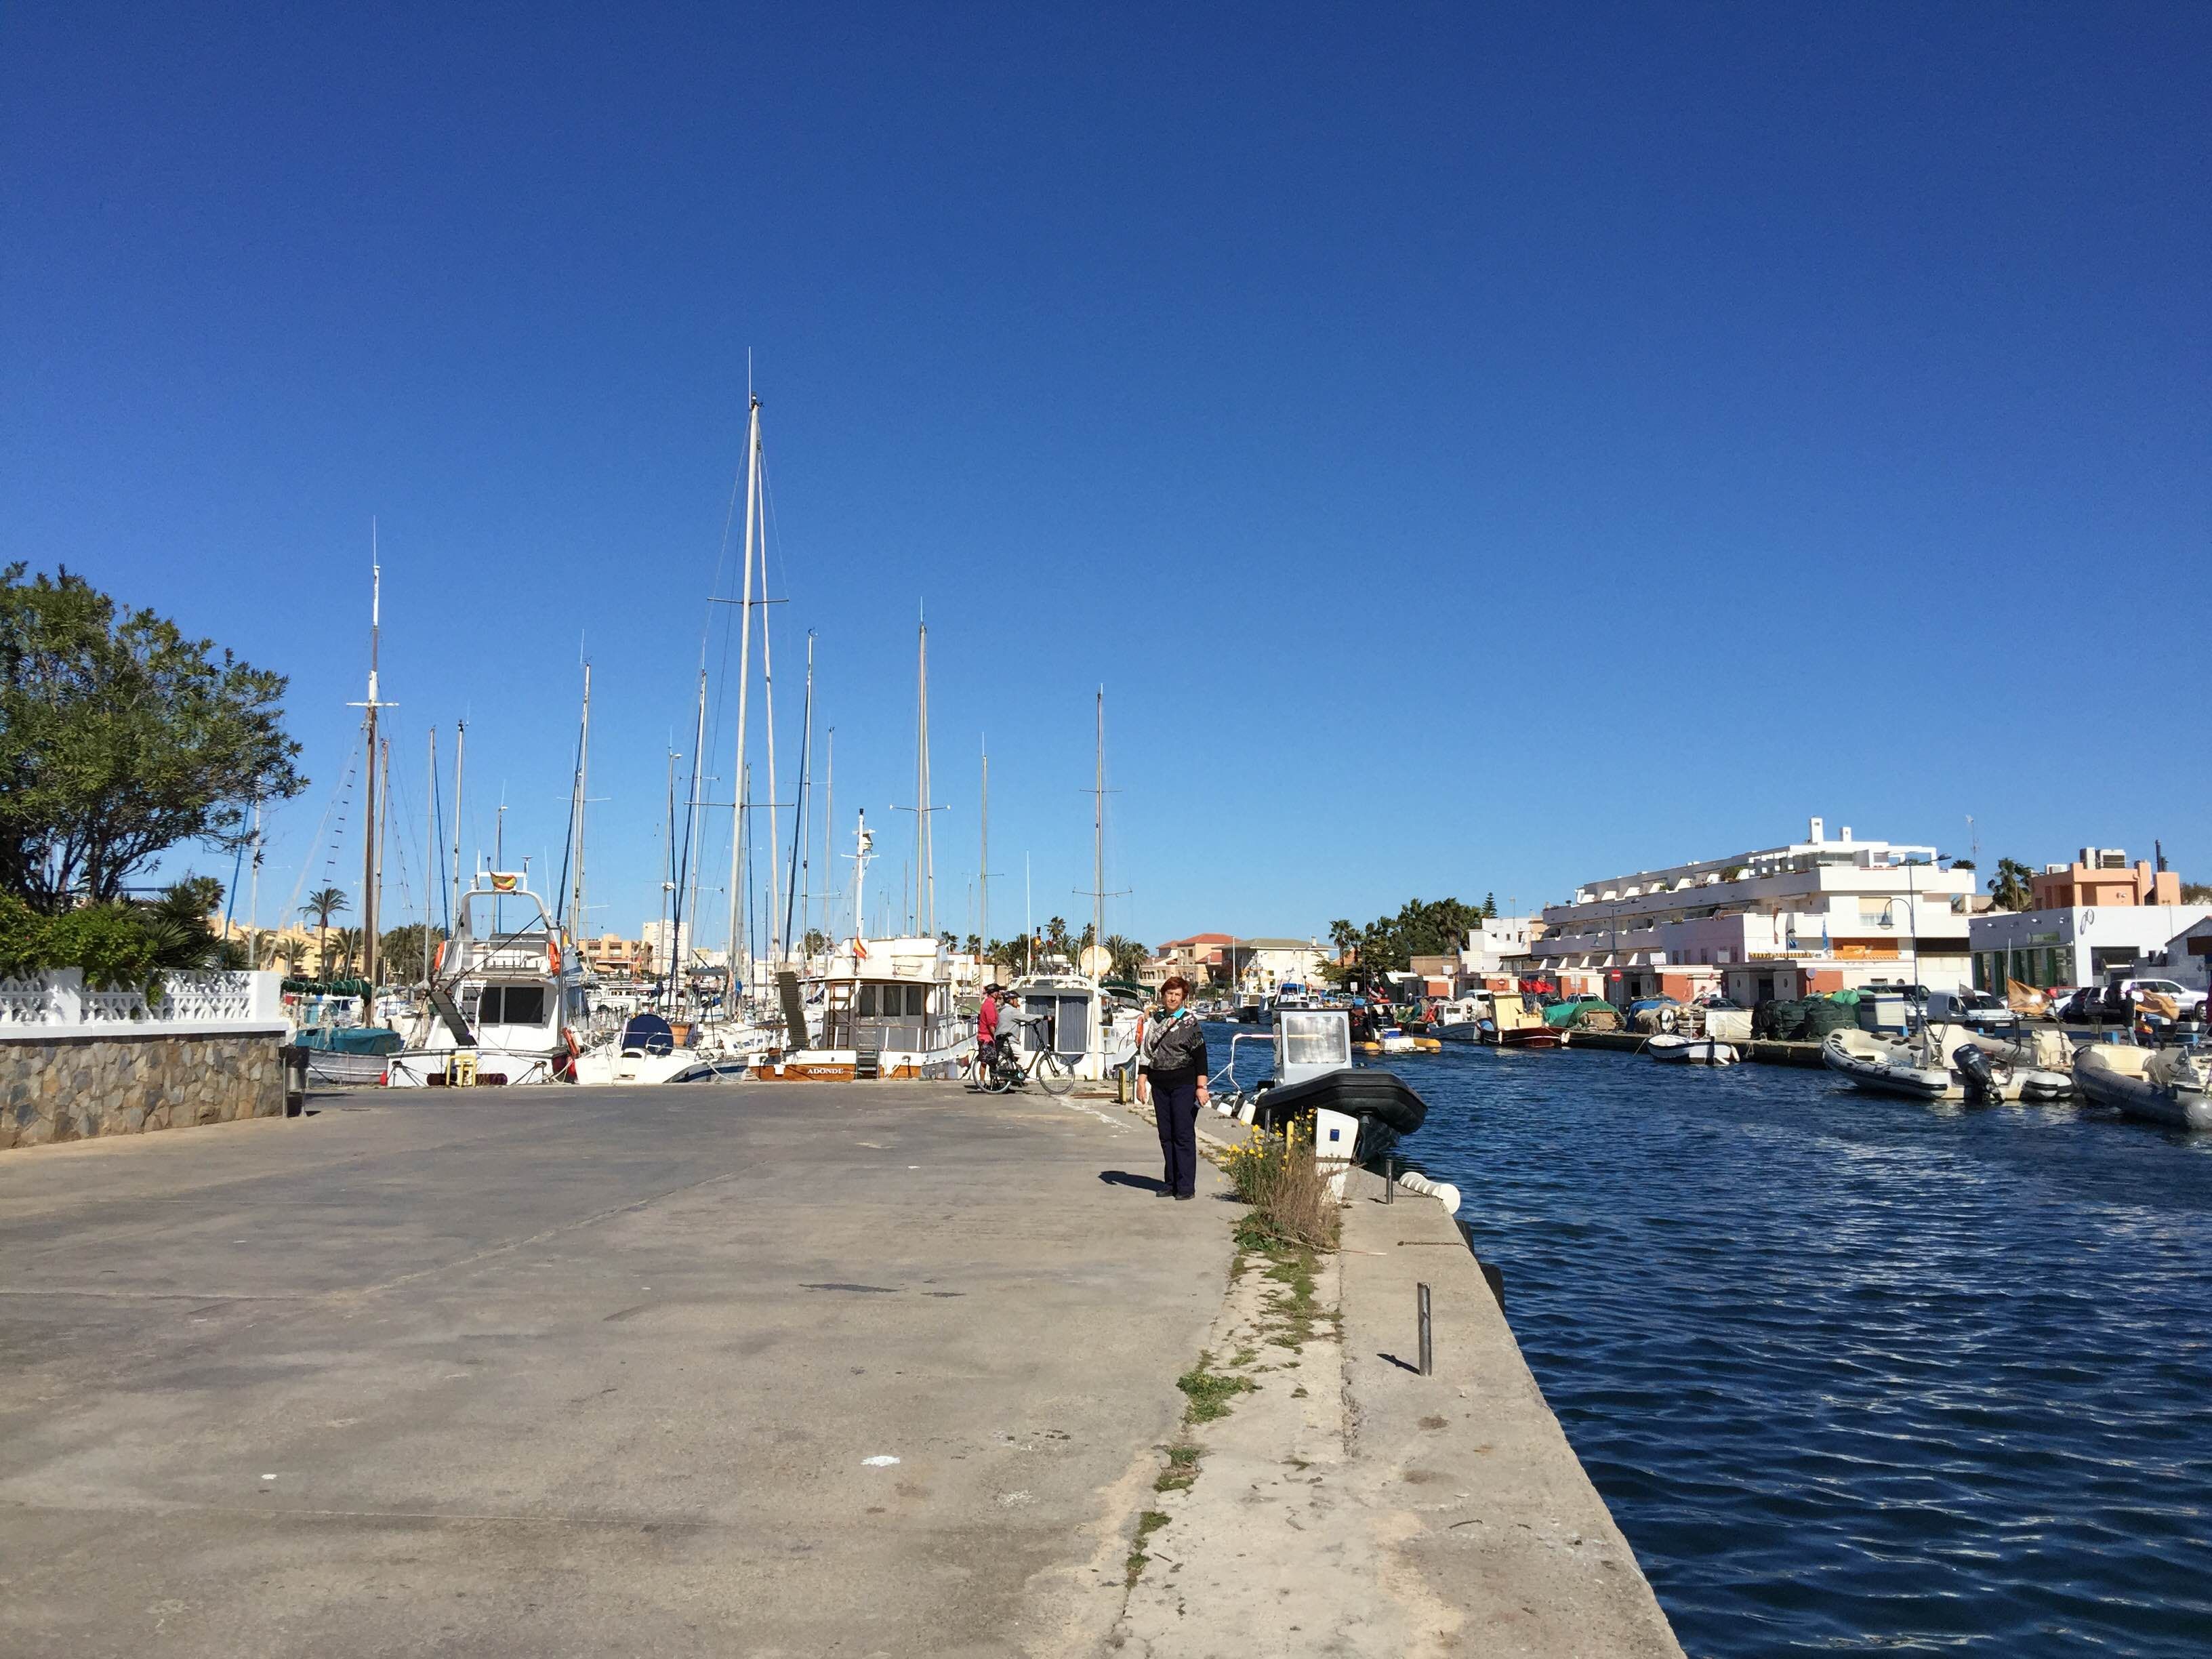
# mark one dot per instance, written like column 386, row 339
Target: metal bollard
column 1425, row 1355
column 1389, row 1181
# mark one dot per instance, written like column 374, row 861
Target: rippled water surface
column 1857, row 1374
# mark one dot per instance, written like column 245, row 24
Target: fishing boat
column 506, row 996
column 2173, row 1086
column 1460, row 1020
column 1516, row 1020
column 1691, row 1051
column 879, row 1008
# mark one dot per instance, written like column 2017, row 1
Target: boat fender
column 553, row 958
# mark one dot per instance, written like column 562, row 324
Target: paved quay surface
column 592, row 1371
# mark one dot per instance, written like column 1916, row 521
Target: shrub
column 121, row 946
column 1279, row 1177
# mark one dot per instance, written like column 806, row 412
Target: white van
column 1978, row 1009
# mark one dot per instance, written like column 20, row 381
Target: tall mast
column 829, row 810
column 744, row 685
column 864, row 846
column 767, row 712
column 583, row 789
column 798, row 806
column 460, row 743
column 925, row 850
column 668, row 887
column 692, row 850
column 371, row 864
column 383, row 793
column 430, row 841
column 983, row 869
column 1098, row 836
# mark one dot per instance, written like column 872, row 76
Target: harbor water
column 1857, row 1374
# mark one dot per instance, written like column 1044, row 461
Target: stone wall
column 72, row 1088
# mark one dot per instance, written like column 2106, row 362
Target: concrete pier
column 866, row 1369
column 563, row 1372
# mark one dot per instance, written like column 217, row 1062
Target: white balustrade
column 59, row 1004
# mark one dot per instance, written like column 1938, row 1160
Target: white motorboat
column 2037, row 1067
column 647, row 1051
column 2173, row 1086
column 1349, row 1113
column 506, row 996
column 1691, row 1051
column 1949, row 1063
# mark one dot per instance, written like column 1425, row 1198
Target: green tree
column 1489, row 905
column 322, row 904
column 2009, row 886
column 119, row 740
column 2196, row 892
column 816, row 942
column 1129, row 957
column 1056, row 937
column 348, row 943
column 1343, row 935
column 399, row 949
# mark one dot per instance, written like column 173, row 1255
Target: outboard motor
column 1986, row 1078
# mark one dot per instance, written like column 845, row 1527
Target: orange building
column 2102, row 879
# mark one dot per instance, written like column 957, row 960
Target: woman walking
column 1173, row 1054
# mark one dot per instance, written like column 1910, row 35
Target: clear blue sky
column 1477, row 449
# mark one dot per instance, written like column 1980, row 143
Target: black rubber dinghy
column 1368, row 1093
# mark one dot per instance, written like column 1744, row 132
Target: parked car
column 2079, row 1004
column 2122, row 996
column 1981, row 1010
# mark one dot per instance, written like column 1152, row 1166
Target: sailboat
column 1091, row 1025
column 876, row 1008
column 880, row 1008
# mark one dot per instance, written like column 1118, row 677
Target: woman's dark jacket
column 1174, row 1050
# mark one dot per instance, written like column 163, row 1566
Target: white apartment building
column 657, row 935
column 1782, row 921
column 1498, row 946
column 1270, row 963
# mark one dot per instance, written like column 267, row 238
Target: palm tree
column 2009, row 887
column 350, row 947
column 1128, row 956
column 322, row 904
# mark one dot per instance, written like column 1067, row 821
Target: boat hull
column 1385, row 1107
column 1884, row 1077
column 1527, row 1037
column 2142, row 1097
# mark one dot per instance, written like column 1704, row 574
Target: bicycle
column 1008, row 1069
